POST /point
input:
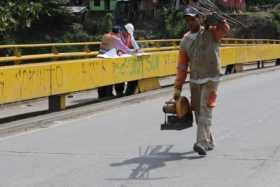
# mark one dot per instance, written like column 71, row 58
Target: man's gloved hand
column 213, row 19
column 177, row 93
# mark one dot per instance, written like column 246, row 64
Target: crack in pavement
column 236, row 157
column 260, row 167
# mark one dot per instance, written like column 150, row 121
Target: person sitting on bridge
column 110, row 41
column 199, row 50
column 131, row 85
column 128, row 39
column 113, row 40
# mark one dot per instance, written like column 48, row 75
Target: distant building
column 73, row 2
column 77, row 7
column 102, row 5
column 110, row 5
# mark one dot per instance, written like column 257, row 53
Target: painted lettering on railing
column 136, row 68
column 2, row 84
column 152, row 64
column 58, row 76
column 88, row 71
column 32, row 81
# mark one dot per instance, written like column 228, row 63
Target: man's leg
column 105, row 91
column 196, row 90
column 101, row 92
column 205, row 137
column 119, row 89
column 229, row 69
column 131, row 87
column 109, row 91
column 277, row 62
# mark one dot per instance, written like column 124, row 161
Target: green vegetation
column 174, row 24
column 21, row 17
column 276, row 22
column 45, row 21
column 261, row 2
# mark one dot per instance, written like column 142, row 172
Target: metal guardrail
column 249, row 41
column 54, row 53
column 80, row 44
column 148, row 46
column 51, row 45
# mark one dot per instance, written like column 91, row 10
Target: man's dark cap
column 191, row 11
column 123, row 29
column 116, row 29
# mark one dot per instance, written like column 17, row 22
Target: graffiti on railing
column 127, row 67
column 31, row 81
column 88, row 71
column 136, row 68
column 57, row 74
column 2, row 84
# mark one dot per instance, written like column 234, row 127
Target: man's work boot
column 199, row 149
column 210, row 147
column 210, row 144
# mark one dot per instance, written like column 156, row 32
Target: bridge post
column 17, row 53
column 57, row 103
column 148, row 84
column 238, row 68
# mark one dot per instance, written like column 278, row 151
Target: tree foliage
column 22, row 14
column 174, row 23
column 261, row 2
column 276, row 22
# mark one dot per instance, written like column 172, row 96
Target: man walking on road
column 199, row 50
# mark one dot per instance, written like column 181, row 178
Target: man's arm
column 220, row 30
column 182, row 68
column 134, row 43
column 121, row 46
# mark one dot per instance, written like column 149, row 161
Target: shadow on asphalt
column 23, row 116
column 151, row 158
column 88, row 101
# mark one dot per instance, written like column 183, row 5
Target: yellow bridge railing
column 57, row 78
column 54, row 53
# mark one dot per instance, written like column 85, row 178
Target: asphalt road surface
column 124, row 146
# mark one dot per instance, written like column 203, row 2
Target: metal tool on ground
column 178, row 114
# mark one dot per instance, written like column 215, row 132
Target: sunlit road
column 124, row 147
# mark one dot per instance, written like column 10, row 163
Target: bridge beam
column 238, row 68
